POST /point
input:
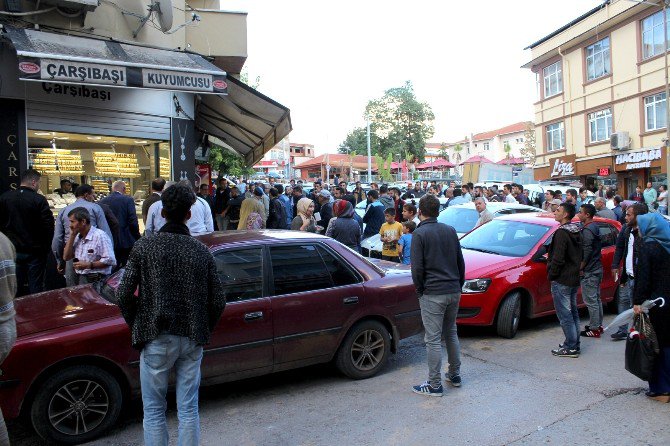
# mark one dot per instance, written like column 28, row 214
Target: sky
column 326, row 60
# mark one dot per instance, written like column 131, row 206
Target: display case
column 56, row 161
column 114, row 164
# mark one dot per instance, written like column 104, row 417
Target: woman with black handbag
column 651, row 282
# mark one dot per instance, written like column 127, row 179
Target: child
column 405, row 241
column 390, row 233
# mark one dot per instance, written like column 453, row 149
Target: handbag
column 641, row 348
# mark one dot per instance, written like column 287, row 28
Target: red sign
column 29, row 67
column 204, row 174
column 604, row 171
column 220, row 85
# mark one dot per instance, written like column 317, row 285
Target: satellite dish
column 163, row 10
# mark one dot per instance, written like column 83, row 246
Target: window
column 298, row 269
column 486, row 146
column 652, row 35
column 339, row 271
column 555, row 137
column 654, row 112
column 600, row 125
column 553, row 79
column 598, row 59
column 241, row 273
column 608, row 234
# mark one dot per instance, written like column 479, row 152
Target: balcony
column 219, row 34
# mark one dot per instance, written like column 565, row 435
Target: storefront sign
column 604, row 171
column 184, row 143
column 71, row 72
column 638, row 160
column 12, row 143
column 563, row 167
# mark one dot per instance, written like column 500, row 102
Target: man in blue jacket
column 374, row 215
column 123, row 208
column 438, row 272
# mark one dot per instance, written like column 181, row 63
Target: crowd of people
column 180, row 302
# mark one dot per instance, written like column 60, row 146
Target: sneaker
column 576, row 348
column 454, row 380
column 619, row 335
column 563, row 352
column 428, row 390
column 589, row 332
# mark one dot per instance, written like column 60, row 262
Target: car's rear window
column 462, row 219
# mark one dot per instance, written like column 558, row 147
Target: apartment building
column 122, row 89
column 284, row 157
column 601, row 114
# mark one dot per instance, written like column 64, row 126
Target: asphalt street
column 514, row 392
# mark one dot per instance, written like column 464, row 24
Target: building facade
column 102, row 94
column 601, row 114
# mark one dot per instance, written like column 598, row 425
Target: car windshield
column 462, row 219
column 505, row 237
column 107, row 287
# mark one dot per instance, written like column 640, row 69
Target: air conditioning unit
column 73, row 6
column 620, row 141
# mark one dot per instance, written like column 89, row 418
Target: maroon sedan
column 294, row 299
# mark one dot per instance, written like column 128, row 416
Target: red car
column 294, row 299
column 506, row 271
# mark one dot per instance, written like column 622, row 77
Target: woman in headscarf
column 252, row 212
column 343, row 227
column 304, row 221
column 653, row 269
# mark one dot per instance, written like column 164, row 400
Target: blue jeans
column 156, row 360
column 591, row 295
column 626, row 299
column 438, row 313
column 30, row 268
column 565, row 303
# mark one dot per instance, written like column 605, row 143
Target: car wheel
column 364, row 350
column 509, row 316
column 76, row 404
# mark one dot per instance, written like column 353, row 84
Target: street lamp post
column 667, row 95
column 367, row 120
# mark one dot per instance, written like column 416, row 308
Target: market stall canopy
column 244, row 119
column 59, row 58
column 510, row 161
column 477, row 159
column 437, row 164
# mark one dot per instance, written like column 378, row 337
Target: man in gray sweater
column 7, row 324
column 179, row 304
column 438, row 272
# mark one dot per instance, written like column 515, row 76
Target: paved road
column 514, row 392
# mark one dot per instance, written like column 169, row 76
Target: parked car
column 294, row 299
column 463, row 217
column 506, row 272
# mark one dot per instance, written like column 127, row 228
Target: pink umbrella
column 510, row 161
column 477, row 159
column 443, row 163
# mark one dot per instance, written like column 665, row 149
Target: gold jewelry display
column 115, row 164
column 56, row 161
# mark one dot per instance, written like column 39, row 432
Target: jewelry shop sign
column 74, row 72
column 640, row 159
column 563, row 166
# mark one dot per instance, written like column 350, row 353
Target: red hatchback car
column 294, row 299
column 506, row 271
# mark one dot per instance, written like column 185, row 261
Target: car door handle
column 253, row 316
column 350, row 300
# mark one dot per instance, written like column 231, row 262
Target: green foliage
column 443, row 151
column 228, row 163
column 528, row 151
column 384, row 167
column 399, row 124
column 244, row 77
column 508, row 149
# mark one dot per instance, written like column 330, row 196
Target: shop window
column 598, row 59
column 555, row 136
column 553, row 79
column 655, row 112
column 600, row 125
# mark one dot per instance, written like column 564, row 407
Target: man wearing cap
column 554, row 204
column 326, row 210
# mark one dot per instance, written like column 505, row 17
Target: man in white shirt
column 507, row 193
column 200, row 222
column 89, row 248
column 485, row 215
column 155, row 220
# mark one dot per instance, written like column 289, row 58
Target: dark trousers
column 121, row 255
column 30, row 269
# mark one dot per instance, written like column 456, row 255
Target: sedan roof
column 547, row 219
column 266, row 236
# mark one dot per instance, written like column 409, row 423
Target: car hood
column 58, row 308
column 391, row 268
column 480, row 264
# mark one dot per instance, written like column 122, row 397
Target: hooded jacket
column 565, row 255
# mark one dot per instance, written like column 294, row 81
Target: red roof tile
column 514, row 128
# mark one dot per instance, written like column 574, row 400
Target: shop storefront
column 591, row 172
column 94, row 111
column 637, row 167
column 561, row 168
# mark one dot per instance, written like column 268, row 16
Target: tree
column 399, row 123
column 528, row 152
column 457, row 153
column 443, row 151
column 228, row 163
column 244, row 77
column 384, row 167
column 357, row 140
column 508, row 149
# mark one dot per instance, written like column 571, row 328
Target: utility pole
column 367, row 120
column 667, row 96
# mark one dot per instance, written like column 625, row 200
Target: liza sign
column 563, row 168
column 638, row 160
column 73, row 72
